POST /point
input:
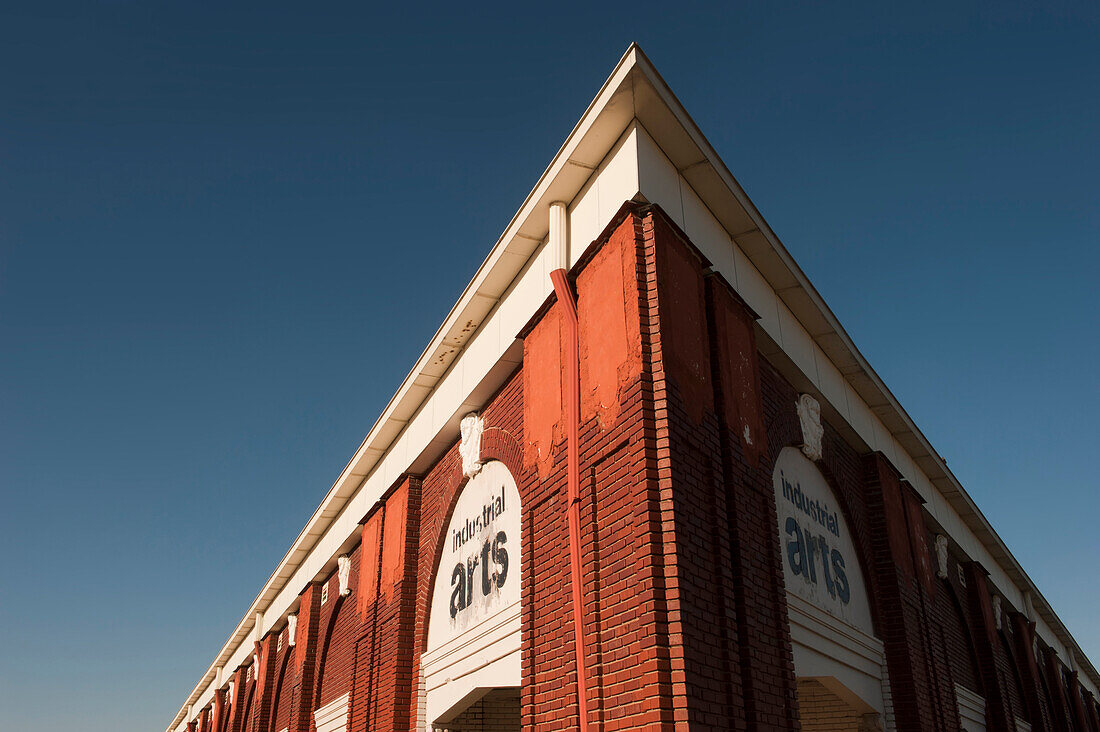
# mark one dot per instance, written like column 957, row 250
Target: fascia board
column 634, row 89
column 685, row 145
column 599, row 128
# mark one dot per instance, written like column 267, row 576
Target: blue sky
column 226, row 234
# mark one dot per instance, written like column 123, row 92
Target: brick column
column 762, row 634
column 916, row 673
column 385, row 657
column 305, row 659
column 1029, row 672
column 407, row 671
column 265, row 679
column 998, row 710
column 1090, row 708
column 1077, row 702
column 636, row 652
column 632, row 628
column 1057, row 687
column 236, row 704
column 217, row 722
column 696, row 521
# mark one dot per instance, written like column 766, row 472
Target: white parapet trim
column 634, row 140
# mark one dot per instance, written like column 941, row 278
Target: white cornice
column 634, row 91
column 701, row 166
column 585, row 147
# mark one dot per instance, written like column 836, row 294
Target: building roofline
column 982, row 527
column 633, row 90
column 434, row 360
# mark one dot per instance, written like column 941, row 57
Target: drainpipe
column 559, row 250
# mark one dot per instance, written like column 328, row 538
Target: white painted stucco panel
column 884, row 440
column 584, row 218
column 398, row 458
column 707, row 234
column 482, row 353
column 429, row 416
column 831, row 383
column 421, row 428
column 348, row 523
column 528, row 293
column 1045, row 633
column 862, row 418
column 1001, row 580
column 902, row 461
column 617, row 178
column 660, row 181
column 797, row 342
column 752, row 286
column 968, row 543
column 927, row 491
column 448, row 395
column 392, row 466
column 315, row 562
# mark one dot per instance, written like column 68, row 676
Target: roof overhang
column 633, row 92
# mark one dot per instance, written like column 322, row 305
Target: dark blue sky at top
column 226, row 233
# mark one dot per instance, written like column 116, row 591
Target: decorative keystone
column 469, row 448
column 941, row 556
column 343, row 572
column 809, row 415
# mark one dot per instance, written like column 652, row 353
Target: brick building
column 642, row 479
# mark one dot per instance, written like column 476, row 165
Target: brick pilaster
column 236, row 704
column 763, row 646
column 902, row 621
column 696, row 516
column 1077, row 702
column 1029, row 672
column 217, row 721
column 407, row 671
column 385, row 657
column 1053, row 670
column 1090, row 709
column 305, row 659
column 264, row 650
column 998, row 710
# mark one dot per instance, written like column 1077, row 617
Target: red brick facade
column 685, row 622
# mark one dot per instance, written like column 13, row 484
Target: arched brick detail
column 448, row 473
column 952, row 618
column 280, row 697
column 440, row 487
column 785, row 430
column 496, row 444
column 324, row 666
column 499, row 444
column 1011, row 665
column 246, row 709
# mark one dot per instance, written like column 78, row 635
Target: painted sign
column 820, row 564
column 478, row 574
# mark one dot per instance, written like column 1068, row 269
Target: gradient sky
column 226, row 234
